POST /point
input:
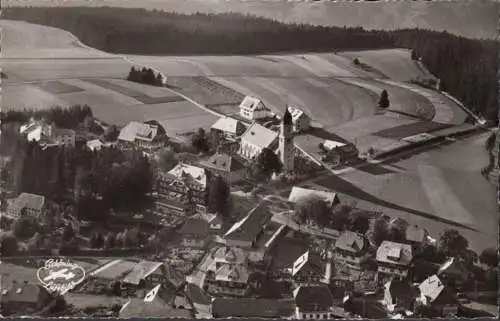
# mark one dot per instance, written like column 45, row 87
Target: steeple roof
column 287, row 118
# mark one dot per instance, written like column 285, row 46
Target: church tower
column 286, row 142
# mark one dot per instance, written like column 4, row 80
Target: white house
column 301, row 121
column 252, row 108
column 393, row 259
column 255, row 139
column 228, row 127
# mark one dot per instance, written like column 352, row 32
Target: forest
column 466, row 67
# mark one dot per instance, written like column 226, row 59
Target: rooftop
column 252, row 308
column 22, row 293
column 228, row 124
column 311, row 259
column 28, row 200
column 141, row 270
column 394, row 253
column 248, row 228
column 135, row 130
column 431, row 288
column 259, row 135
column 295, row 112
column 299, row 193
column 415, row 234
column 195, row 226
column 233, row 273
column 114, row 270
column 223, row 162
column 313, row 297
column 351, row 242
column 197, row 174
column 250, row 102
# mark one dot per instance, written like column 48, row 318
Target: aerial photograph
column 294, row 159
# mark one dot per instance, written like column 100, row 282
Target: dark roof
column 23, row 293
column 251, row 225
column 223, row 162
column 154, row 309
column 402, row 290
column 196, row 227
column 313, row 297
column 351, row 242
column 197, row 295
column 174, row 276
column 252, row 308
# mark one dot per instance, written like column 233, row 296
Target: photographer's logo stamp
column 60, row 275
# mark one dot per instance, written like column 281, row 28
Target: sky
column 468, row 18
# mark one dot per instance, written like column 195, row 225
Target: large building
column 228, row 127
column 246, row 231
column 255, row 139
column 351, row 249
column 286, row 143
column 230, row 168
column 182, row 190
column 149, row 135
column 297, row 193
column 313, row 302
column 27, row 204
column 393, row 259
column 252, row 108
column 301, row 122
column 43, row 133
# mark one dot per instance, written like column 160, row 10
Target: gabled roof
column 195, row 226
column 295, row 112
column 184, row 171
column 401, row 291
column 330, row 144
column 394, row 253
column 140, row 271
column 251, row 225
column 259, row 135
column 197, row 295
column 233, row 273
column 135, row 130
column 313, row 297
column 28, row 200
column 431, row 288
column 351, row 242
column 233, row 255
column 251, row 103
column 298, row 193
column 229, row 125
column 223, row 162
column 252, row 308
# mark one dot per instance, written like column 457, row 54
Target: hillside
column 480, row 15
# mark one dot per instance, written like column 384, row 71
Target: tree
column 414, row 55
column 218, row 195
column 25, row 227
column 110, row 240
column 8, row 244
column 166, row 159
column 384, row 100
column 356, row 61
column 397, row 230
column 199, row 141
column 359, row 222
column 452, row 243
column 159, row 80
column 340, row 218
column 111, row 133
column 68, row 233
column 313, row 209
column 96, row 240
column 267, row 163
column 379, row 231
column 489, row 257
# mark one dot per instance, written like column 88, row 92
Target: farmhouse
column 228, row 127
column 300, row 121
column 313, row 302
column 43, row 133
column 438, row 297
column 228, row 167
column 246, row 231
column 297, row 193
column 229, row 280
column 351, row 249
column 27, row 204
column 182, row 190
column 252, row 108
column 308, row 268
column 142, row 135
column 394, row 259
column 255, row 139
column 416, row 235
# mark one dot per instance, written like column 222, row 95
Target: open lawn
column 28, row 96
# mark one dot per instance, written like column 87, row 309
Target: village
column 233, row 226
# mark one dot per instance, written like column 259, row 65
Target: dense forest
column 466, row 67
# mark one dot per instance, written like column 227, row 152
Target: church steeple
column 287, row 118
column 286, row 142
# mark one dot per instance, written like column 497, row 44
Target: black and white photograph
column 284, row 159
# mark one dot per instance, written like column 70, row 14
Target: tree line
column 466, row 67
column 145, row 76
column 70, row 118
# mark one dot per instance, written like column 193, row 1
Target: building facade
column 255, row 139
column 27, row 204
column 351, row 249
column 252, row 108
column 393, row 259
column 226, row 166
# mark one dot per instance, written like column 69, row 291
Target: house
column 341, row 287
column 255, row 139
column 246, row 231
column 202, row 302
column 43, row 133
column 299, row 193
column 345, row 151
column 437, row 297
column 228, row 127
column 27, row 204
column 416, row 235
column 351, row 249
column 252, row 308
column 195, row 232
column 23, row 298
column 110, row 274
column 253, row 108
column 145, row 274
column 182, row 190
column 96, row 145
column 229, row 279
column 227, row 255
column 141, row 135
column 313, row 302
column 308, row 268
column 228, row 167
column 137, row 308
column 64, row 137
column 300, row 120
column 393, row 259
column 399, row 296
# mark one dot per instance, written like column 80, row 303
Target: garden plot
column 396, row 64
column 20, row 97
column 57, row 87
